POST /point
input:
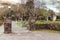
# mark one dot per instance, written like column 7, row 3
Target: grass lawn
column 47, row 22
column 22, row 23
column 19, row 23
column 47, row 30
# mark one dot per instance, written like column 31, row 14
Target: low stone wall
column 44, row 26
column 54, row 26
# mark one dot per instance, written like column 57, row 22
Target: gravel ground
column 19, row 33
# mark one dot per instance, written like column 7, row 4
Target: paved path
column 20, row 33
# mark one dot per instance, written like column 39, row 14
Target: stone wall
column 44, row 26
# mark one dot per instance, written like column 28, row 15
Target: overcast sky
column 49, row 3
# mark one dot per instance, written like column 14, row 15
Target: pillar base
column 7, row 28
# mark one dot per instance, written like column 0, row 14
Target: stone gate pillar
column 7, row 25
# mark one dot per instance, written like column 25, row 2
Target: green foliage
column 42, row 12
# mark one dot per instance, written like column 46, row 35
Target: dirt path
column 20, row 33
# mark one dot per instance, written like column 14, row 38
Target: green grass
column 22, row 23
column 19, row 24
column 47, row 30
column 47, row 22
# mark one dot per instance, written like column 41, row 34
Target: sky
column 16, row 1
column 49, row 4
column 53, row 6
